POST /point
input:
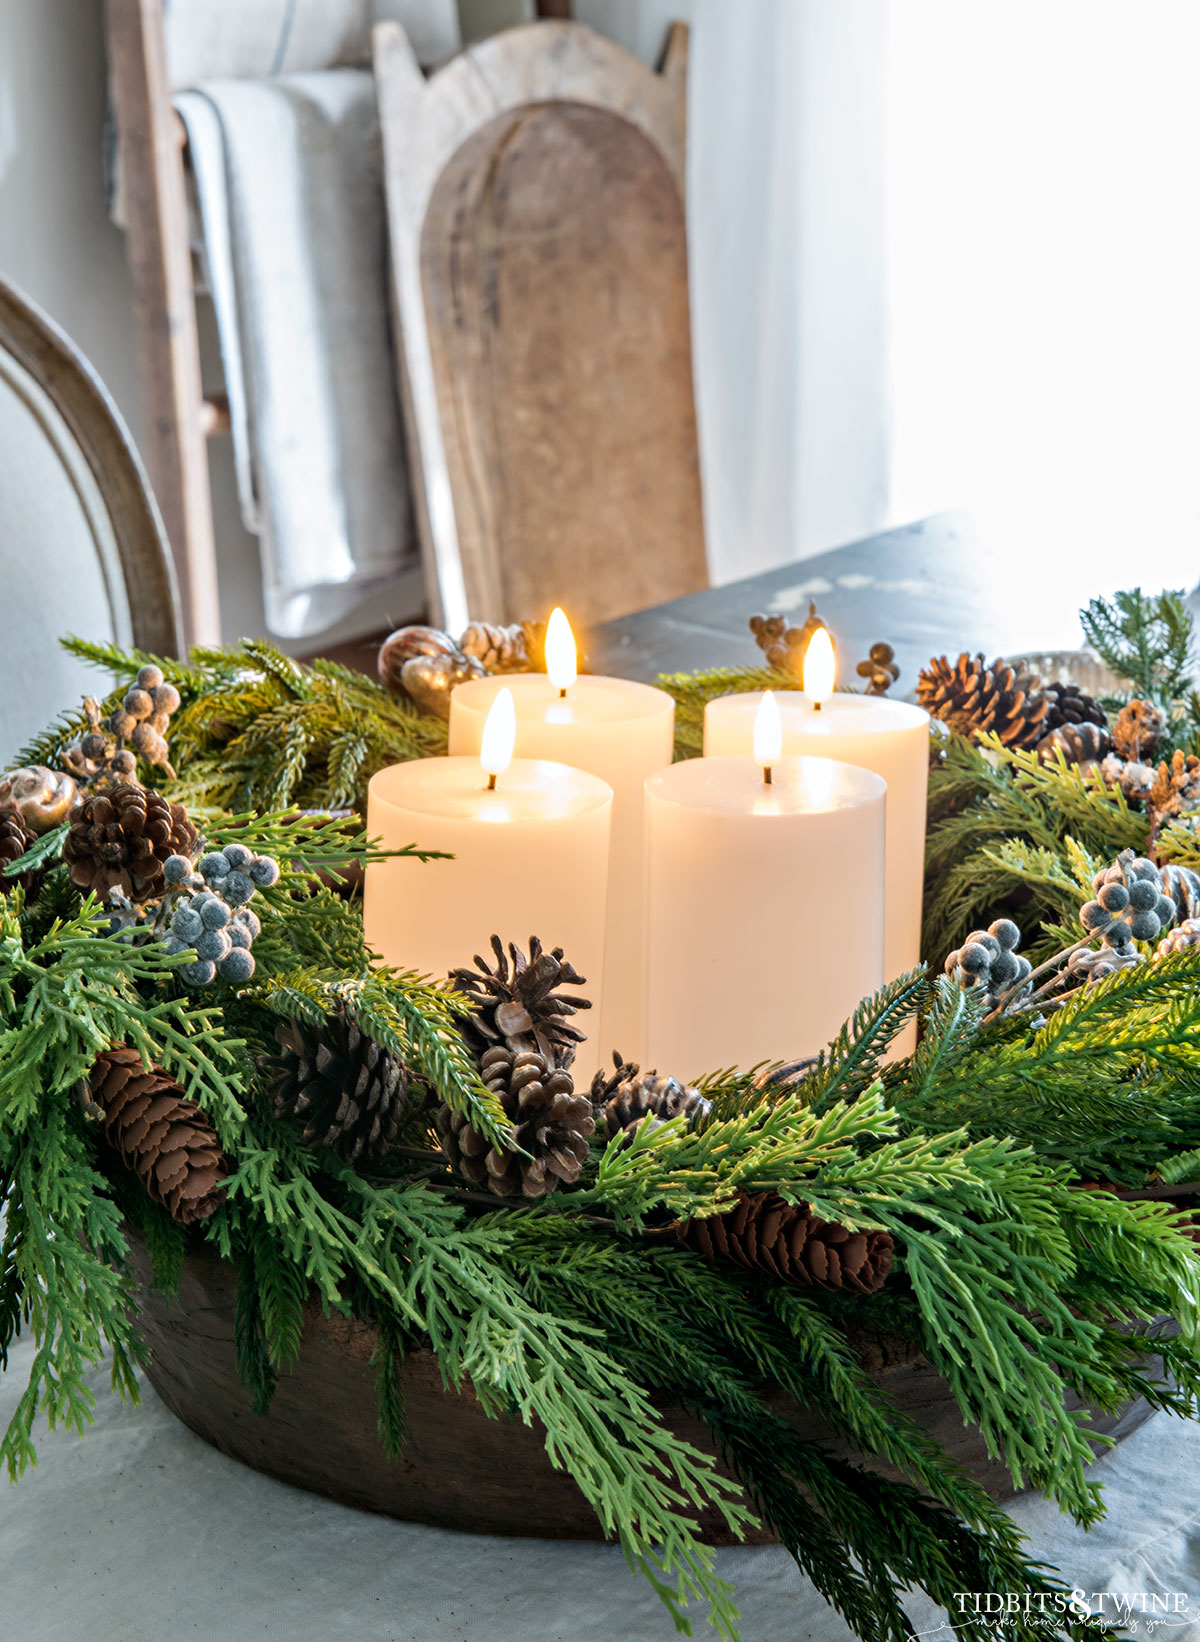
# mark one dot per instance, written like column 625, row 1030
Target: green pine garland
column 583, row 1312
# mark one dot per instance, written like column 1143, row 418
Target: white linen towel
column 288, row 181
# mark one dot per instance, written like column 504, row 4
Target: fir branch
column 693, row 692
column 1145, row 638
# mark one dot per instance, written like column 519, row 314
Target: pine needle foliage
column 1145, row 638
column 693, row 692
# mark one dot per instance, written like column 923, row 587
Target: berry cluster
column 141, row 720
column 1130, row 906
column 215, row 920
column 988, row 962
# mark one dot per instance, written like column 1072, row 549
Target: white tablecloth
column 142, row 1533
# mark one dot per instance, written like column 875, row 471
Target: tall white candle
column 764, row 908
column 890, row 738
column 620, row 731
column 530, row 858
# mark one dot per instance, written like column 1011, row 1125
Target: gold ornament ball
column 43, row 797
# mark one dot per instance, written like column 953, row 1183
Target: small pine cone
column 1083, row 743
column 16, row 836
column 513, row 648
column 628, row 1097
column 766, row 1234
column 348, row 1092
column 1179, row 939
column 1135, row 780
column 974, row 696
column 518, row 1002
column 1071, row 705
column 1138, row 730
column 119, row 839
column 551, row 1127
column 1176, row 789
column 161, row 1134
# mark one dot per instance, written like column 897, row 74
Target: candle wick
column 767, row 775
column 491, row 786
column 816, row 706
column 562, row 694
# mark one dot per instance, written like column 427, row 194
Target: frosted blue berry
column 1093, row 916
column 249, row 922
column 1141, row 868
column 213, row 865
column 214, row 945
column 1143, row 895
column 198, row 974
column 1005, row 969
column 214, row 914
column 975, row 958
column 264, row 871
column 1114, row 897
column 237, row 889
column 1165, row 909
column 1006, row 933
column 1144, row 926
column 237, row 967
column 175, row 869
column 238, row 856
column 186, row 924
column 173, row 944
column 239, row 935
column 951, row 963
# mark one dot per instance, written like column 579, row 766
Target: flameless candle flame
column 561, row 660
column 499, row 736
column 818, row 667
column 768, row 734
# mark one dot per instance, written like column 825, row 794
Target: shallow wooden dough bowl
column 459, row 1468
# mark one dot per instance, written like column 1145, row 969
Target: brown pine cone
column 974, row 696
column 625, row 1099
column 1084, row 743
column 517, row 647
column 766, row 1234
column 348, row 1092
column 119, row 839
column 1138, row 730
column 1176, row 789
column 551, row 1127
column 161, row 1134
column 518, row 1003
column 1071, row 705
column 16, row 836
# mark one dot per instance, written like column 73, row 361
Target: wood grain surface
column 459, row 1468
column 535, row 201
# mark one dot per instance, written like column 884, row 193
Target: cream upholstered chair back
column 81, row 545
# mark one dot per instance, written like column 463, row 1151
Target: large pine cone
column 625, row 1099
column 15, row 838
column 161, row 1134
column 766, row 1234
column 119, row 839
column 974, row 696
column 518, row 1003
column 1084, row 743
column 518, row 647
column 348, row 1092
column 1071, row 705
column 551, row 1124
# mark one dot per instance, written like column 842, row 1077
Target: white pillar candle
column 530, row 858
column 617, row 730
column 764, row 908
column 890, row 738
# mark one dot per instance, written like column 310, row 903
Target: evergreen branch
column 1144, row 638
